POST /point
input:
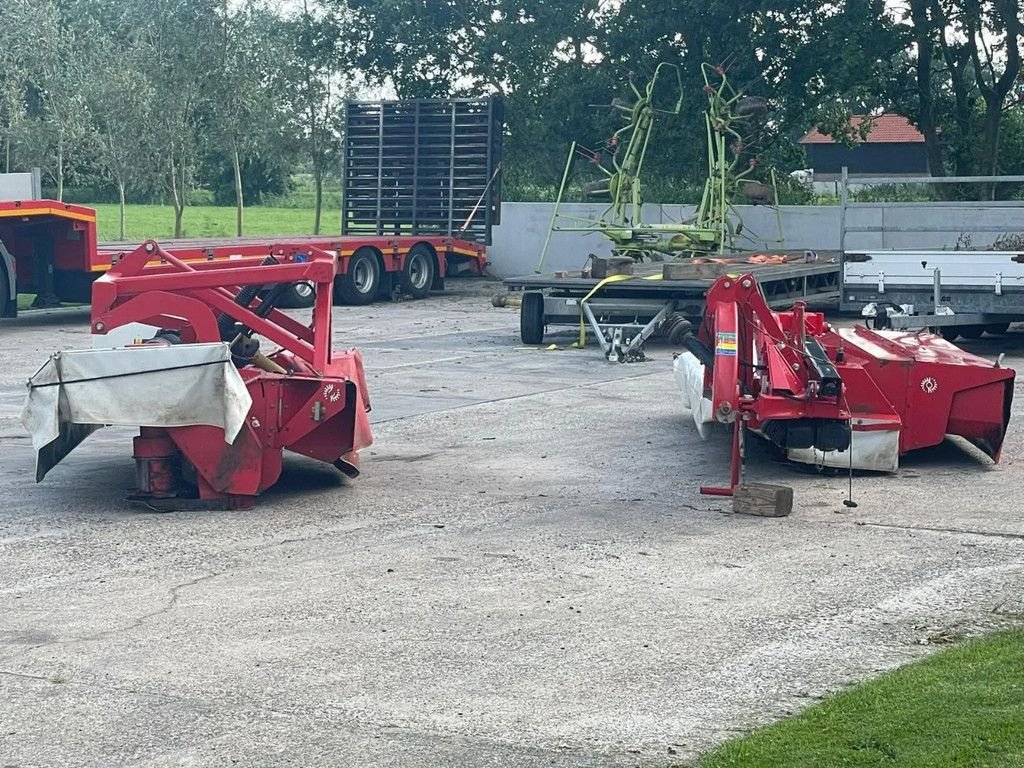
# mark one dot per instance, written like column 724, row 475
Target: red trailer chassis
column 50, row 249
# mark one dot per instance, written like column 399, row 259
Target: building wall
column 878, row 159
column 520, row 238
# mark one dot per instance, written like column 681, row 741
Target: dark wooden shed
column 893, row 147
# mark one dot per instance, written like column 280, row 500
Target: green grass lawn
column 157, row 221
column 961, row 707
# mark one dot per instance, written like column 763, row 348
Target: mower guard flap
column 76, row 393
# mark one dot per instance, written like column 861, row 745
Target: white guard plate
column 76, row 393
column 689, row 375
column 878, row 451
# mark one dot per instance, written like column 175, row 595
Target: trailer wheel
column 297, row 296
column 5, row 307
column 949, row 332
column 531, row 318
column 997, row 329
column 417, row 275
column 972, row 331
column 359, row 283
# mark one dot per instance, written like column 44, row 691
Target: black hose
column 226, row 324
column 702, row 353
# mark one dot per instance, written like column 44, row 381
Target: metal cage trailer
column 422, row 167
column 667, row 299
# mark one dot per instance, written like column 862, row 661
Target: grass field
column 157, row 221
column 961, row 707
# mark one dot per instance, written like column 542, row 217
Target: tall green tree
column 179, row 40
column 244, row 105
column 967, row 63
column 17, row 34
column 314, row 78
column 59, row 132
column 543, row 57
column 121, row 102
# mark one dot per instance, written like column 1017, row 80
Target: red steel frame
column 916, row 384
column 317, row 407
column 134, row 292
column 393, row 250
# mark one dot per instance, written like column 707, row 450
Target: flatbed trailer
column 50, row 248
column 624, row 311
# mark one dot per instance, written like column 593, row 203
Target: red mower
column 215, row 411
column 849, row 398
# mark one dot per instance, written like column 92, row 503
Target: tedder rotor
column 731, row 121
column 850, row 398
column 215, row 411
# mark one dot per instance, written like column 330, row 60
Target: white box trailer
column 21, row 186
column 958, row 292
column 915, row 265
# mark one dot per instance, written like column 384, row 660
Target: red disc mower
column 215, row 410
column 840, row 397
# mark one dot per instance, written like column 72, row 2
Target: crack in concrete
column 172, row 601
column 53, row 680
column 942, row 529
column 25, row 675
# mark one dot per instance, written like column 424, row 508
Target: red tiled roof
column 887, row 129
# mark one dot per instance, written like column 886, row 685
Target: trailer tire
column 972, row 331
column 997, row 329
column 417, row 275
column 949, row 332
column 297, row 296
column 5, row 300
column 531, row 318
column 359, row 283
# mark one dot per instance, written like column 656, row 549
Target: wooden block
column 762, row 499
column 685, row 270
column 616, row 265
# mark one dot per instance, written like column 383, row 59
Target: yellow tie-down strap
column 582, row 341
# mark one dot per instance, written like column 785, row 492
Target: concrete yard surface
column 524, row 574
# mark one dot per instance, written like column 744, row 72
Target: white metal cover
column 76, row 393
column 966, row 269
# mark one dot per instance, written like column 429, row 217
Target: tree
column 553, row 60
column 243, row 105
column 120, row 99
column 313, row 77
column 16, row 34
column 815, row 63
column 97, row 72
column 176, row 39
column 968, row 61
column 541, row 56
column 265, row 172
column 59, row 131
